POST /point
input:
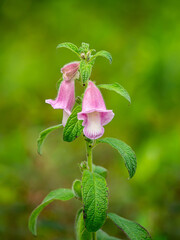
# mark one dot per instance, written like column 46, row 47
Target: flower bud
column 70, row 71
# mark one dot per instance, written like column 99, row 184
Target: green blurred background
column 144, row 40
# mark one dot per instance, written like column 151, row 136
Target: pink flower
column 70, row 71
column 65, row 99
column 94, row 113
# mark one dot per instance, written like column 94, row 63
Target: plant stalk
column 90, row 164
column 94, row 236
column 89, row 156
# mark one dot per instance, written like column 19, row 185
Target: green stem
column 90, row 164
column 94, row 236
column 89, row 155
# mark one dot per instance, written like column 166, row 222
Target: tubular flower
column 94, row 113
column 65, row 99
column 70, row 71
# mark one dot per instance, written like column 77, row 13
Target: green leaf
column 59, row 194
column 125, row 151
column 100, row 170
column 116, row 87
column 81, row 232
column 101, row 235
column 85, row 46
column 70, row 46
column 103, row 53
column 73, row 128
column 95, row 199
column 133, row 230
column 43, row 135
column 76, row 188
column 85, row 71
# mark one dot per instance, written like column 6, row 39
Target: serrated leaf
column 73, row 128
column 116, row 87
column 59, row 194
column 103, row 53
column 85, row 71
column 70, row 46
column 132, row 229
column 76, row 188
column 125, row 151
column 100, row 170
column 43, row 135
column 95, row 200
column 101, row 235
column 81, row 232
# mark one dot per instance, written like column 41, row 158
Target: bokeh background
column 144, row 40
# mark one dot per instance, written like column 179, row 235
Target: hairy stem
column 90, row 163
column 94, row 236
column 89, row 155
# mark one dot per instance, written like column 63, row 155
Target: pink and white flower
column 65, row 99
column 66, row 95
column 70, row 71
column 94, row 113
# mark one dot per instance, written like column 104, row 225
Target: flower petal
column 65, row 117
column 93, row 128
column 65, row 98
column 106, row 117
column 92, row 99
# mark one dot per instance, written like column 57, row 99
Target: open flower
column 94, row 113
column 65, row 99
column 70, row 71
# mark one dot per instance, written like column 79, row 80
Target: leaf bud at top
column 88, row 55
column 83, row 56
